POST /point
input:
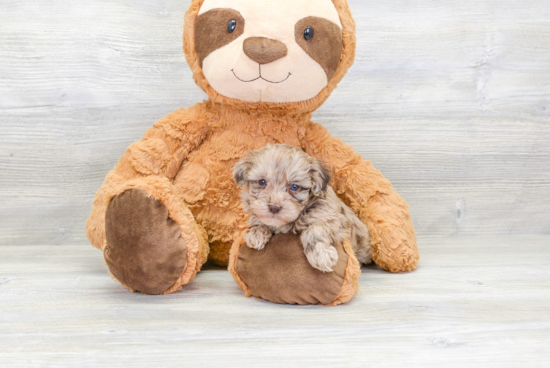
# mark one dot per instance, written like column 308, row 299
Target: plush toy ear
column 320, row 176
column 240, row 171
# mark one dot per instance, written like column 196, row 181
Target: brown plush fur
column 281, row 273
column 185, row 162
column 350, row 287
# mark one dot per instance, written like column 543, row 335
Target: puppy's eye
column 231, row 26
column 262, row 183
column 294, row 187
column 308, row 33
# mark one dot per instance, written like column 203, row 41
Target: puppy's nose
column 274, row 209
column 264, row 50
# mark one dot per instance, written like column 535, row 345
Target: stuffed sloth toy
column 171, row 204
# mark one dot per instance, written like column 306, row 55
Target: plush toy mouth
column 260, row 77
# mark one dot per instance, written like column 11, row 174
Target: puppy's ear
column 320, row 176
column 240, row 171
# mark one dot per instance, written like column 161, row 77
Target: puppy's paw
column 257, row 237
column 321, row 256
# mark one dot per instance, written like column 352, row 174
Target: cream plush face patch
column 268, row 50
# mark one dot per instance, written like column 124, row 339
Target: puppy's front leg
column 257, row 237
column 317, row 242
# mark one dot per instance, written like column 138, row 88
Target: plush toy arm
column 159, row 154
column 372, row 198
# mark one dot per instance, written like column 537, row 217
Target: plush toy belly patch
column 171, row 203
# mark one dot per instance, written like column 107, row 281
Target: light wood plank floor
column 473, row 302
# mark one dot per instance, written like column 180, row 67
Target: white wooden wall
column 450, row 99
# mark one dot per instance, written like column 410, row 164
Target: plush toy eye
column 308, row 33
column 262, row 183
column 231, row 26
column 294, row 187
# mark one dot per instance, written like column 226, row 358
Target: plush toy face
column 268, row 50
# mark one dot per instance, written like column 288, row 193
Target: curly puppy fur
column 286, row 191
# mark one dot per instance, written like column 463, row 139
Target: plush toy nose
column 264, row 50
column 274, row 209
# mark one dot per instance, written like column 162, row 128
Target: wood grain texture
column 449, row 99
column 473, row 302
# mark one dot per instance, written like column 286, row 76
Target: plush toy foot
column 281, row 273
column 145, row 250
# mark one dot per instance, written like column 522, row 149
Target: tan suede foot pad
column 281, row 273
column 144, row 249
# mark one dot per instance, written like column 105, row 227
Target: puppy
column 286, row 191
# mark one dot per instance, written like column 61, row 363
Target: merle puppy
column 286, row 191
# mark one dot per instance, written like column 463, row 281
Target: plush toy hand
column 371, row 197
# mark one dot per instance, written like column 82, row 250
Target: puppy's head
column 278, row 182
